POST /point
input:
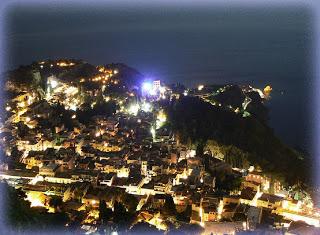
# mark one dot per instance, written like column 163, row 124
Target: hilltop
column 237, row 127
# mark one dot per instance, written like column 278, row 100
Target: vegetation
column 129, row 77
column 123, row 213
column 169, row 208
column 129, row 201
column 185, row 215
column 101, row 108
column 245, row 138
column 105, row 214
column 228, row 182
column 20, row 217
column 144, row 228
column 56, row 202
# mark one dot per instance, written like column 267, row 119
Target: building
column 49, row 170
column 156, row 84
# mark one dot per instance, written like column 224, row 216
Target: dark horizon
column 169, row 44
column 190, row 45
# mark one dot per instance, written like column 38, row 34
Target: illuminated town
column 102, row 148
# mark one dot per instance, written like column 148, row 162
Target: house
column 84, row 163
column 123, row 171
column 209, row 213
column 148, row 188
column 158, row 201
column 269, row 201
column 59, row 178
column 134, row 184
column 251, row 184
column 106, row 179
column 259, row 178
column 247, row 195
column 68, row 162
column 209, row 208
column 49, row 170
column 85, row 175
column 111, row 124
column 162, row 183
column 33, row 161
column 229, row 210
column 133, row 158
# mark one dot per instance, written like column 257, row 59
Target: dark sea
column 257, row 46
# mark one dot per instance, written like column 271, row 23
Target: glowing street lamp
column 53, row 83
column 134, row 109
column 73, row 107
column 162, row 116
column 153, row 133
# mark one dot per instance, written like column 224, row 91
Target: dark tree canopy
column 195, row 121
column 169, row 207
column 105, row 214
column 20, row 217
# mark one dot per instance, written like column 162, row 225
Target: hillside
column 197, row 122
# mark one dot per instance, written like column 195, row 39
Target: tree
column 129, row 201
column 56, row 202
column 76, row 220
column 169, row 208
column 119, row 212
column 62, row 116
column 15, row 153
column 246, row 140
column 105, row 214
column 23, row 130
column 20, row 217
column 121, row 217
column 101, row 108
column 185, row 215
column 144, row 228
column 228, row 182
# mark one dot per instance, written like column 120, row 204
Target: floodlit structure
column 147, row 86
column 156, row 84
column 134, row 109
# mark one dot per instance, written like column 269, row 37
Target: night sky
column 191, row 45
